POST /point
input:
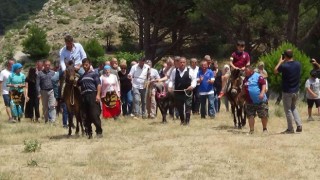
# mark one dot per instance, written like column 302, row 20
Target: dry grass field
column 147, row 149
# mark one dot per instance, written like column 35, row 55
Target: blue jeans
column 203, row 100
column 139, row 98
column 217, row 103
column 126, row 100
column 64, row 114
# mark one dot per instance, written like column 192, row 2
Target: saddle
column 110, row 100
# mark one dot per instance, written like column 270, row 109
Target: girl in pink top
column 110, row 94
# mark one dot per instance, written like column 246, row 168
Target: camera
column 282, row 56
column 311, row 60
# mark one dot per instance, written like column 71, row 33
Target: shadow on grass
column 65, row 136
column 224, row 127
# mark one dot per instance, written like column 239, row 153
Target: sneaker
column 299, row 129
column 212, row 117
column 265, row 132
column 11, row 120
column 310, row 118
column 131, row 115
column 250, row 132
column 221, row 95
column 65, row 126
column 287, row 131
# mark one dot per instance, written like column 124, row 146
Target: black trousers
column 32, row 108
column 92, row 111
column 195, row 100
column 183, row 104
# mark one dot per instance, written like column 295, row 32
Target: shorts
column 310, row 102
column 6, row 99
column 260, row 109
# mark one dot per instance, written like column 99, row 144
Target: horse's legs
column 70, row 123
column 243, row 120
column 77, row 120
column 233, row 110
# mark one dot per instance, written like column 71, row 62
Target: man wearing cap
column 151, row 91
column 291, row 74
column 182, row 83
column 139, row 74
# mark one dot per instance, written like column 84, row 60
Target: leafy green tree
column 127, row 38
column 36, row 43
column 128, row 56
column 271, row 60
column 94, row 50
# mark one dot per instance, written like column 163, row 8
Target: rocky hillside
column 82, row 19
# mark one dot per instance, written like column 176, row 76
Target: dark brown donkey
column 164, row 99
column 234, row 86
column 71, row 96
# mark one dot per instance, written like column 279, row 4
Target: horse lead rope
column 185, row 91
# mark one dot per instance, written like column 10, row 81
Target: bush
column 36, row 43
column 73, row 2
column 128, row 56
column 271, row 60
column 94, row 50
column 32, row 145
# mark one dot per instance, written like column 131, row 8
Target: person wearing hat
column 291, row 74
column 151, row 91
column 90, row 86
column 139, row 73
column 312, row 86
column 16, row 83
column 238, row 60
column 110, row 94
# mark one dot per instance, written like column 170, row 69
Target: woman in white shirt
column 110, row 94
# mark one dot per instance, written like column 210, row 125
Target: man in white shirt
column 139, row 75
column 5, row 91
column 151, row 91
column 182, row 82
column 195, row 97
column 72, row 52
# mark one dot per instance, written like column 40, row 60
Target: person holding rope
column 238, row 60
column 139, row 75
column 182, row 83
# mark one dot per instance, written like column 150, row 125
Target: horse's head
column 161, row 91
column 234, row 87
column 70, row 73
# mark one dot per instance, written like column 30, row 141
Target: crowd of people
column 114, row 88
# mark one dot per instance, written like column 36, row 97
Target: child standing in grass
column 313, row 96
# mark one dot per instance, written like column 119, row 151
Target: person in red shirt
column 238, row 60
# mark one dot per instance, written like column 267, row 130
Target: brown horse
column 71, row 96
column 234, row 86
